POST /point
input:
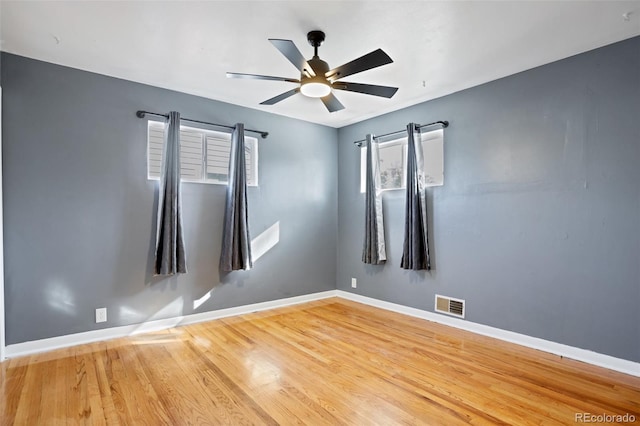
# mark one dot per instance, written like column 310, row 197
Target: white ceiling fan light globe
column 315, row 89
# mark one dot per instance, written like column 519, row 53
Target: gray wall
column 80, row 212
column 537, row 225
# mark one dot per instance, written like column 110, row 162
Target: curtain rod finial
column 264, row 135
column 140, row 114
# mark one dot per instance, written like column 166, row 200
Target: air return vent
column 450, row 306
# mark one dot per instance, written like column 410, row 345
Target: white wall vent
column 450, row 306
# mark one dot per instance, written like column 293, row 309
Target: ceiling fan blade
column 367, row 89
column 291, row 52
column 332, row 103
column 260, row 77
column 371, row 60
column 280, row 97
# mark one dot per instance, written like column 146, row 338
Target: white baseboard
column 590, row 357
column 43, row 345
column 584, row 355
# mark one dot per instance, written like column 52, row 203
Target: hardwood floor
column 329, row 362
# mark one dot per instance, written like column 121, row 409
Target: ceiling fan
column 317, row 80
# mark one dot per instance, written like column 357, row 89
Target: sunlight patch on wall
column 171, row 310
column 198, row 302
column 265, row 241
column 260, row 245
column 171, row 315
column 59, row 297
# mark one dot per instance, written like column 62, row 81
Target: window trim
column 251, row 145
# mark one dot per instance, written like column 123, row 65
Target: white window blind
column 204, row 155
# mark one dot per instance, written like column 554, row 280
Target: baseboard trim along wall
column 43, row 345
column 584, row 355
column 590, row 357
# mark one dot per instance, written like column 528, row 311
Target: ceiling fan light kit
column 315, row 89
column 317, row 80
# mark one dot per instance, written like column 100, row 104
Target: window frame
column 251, row 154
column 402, row 142
column 437, row 134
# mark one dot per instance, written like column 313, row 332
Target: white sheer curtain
column 374, row 250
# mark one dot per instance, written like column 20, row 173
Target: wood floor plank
column 379, row 365
column 12, row 374
column 104, row 387
column 350, row 380
column 236, row 354
column 512, row 367
column 328, row 362
column 294, row 363
column 29, row 403
column 55, row 385
column 133, row 395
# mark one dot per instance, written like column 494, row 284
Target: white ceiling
column 437, row 47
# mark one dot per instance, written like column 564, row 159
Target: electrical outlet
column 101, row 315
column 354, row 283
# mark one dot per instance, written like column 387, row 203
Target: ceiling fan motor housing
column 318, row 85
column 318, row 67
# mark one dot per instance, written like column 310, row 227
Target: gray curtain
column 374, row 251
column 415, row 253
column 169, row 255
column 236, row 239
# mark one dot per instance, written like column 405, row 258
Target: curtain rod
column 444, row 125
column 141, row 114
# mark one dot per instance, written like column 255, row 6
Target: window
column 204, row 154
column 393, row 161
